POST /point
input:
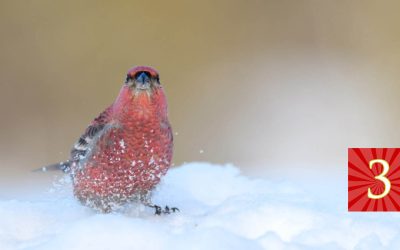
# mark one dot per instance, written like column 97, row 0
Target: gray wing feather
column 82, row 147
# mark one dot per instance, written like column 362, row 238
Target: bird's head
column 142, row 93
column 143, row 78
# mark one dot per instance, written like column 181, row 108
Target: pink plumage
column 126, row 150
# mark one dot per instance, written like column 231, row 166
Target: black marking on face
column 142, row 77
column 128, row 78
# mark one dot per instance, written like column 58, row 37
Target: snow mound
column 220, row 209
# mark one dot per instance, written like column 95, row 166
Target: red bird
column 125, row 151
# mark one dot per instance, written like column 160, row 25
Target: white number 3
column 380, row 177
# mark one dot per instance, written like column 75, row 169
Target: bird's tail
column 63, row 166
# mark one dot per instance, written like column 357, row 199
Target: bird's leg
column 159, row 210
column 168, row 210
column 145, row 199
column 175, row 209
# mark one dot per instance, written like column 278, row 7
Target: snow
column 220, row 209
column 122, row 143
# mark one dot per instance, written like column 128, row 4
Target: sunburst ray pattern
column 361, row 177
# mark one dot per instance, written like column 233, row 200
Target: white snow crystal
column 122, row 143
column 151, row 161
column 219, row 209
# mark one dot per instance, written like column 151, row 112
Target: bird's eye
column 128, row 78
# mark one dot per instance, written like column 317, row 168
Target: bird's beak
column 143, row 81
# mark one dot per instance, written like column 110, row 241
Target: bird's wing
column 88, row 139
column 82, row 147
column 63, row 166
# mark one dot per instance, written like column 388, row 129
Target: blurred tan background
column 271, row 86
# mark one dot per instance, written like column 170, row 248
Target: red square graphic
column 374, row 179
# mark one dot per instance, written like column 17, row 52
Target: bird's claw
column 166, row 210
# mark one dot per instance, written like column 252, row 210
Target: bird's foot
column 167, row 210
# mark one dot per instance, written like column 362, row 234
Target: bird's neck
column 140, row 107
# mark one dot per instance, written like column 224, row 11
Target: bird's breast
column 129, row 157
